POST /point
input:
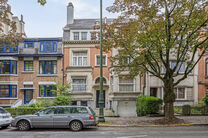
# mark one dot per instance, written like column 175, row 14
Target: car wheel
column 4, row 127
column 76, row 126
column 23, row 125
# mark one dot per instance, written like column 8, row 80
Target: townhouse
column 81, row 68
column 29, row 70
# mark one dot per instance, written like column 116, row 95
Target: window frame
column 10, row 90
column 82, row 34
column 44, row 90
column 80, row 84
column 96, row 60
column 45, row 66
column 185, row 95
column 25, row 69
column 78, row 37
column 77, row 59
column 11, row 49
column 52, row 48
column 119, row 83
column 25, row 44
column 10, row 65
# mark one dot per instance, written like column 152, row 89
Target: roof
column 86, row 23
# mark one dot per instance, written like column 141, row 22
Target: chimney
column 70, row 13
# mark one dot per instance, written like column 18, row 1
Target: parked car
column 73, row 117
column 5, row 118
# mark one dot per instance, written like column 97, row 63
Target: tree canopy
column 152, row 33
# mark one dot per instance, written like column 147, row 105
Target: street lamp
column 101, row 98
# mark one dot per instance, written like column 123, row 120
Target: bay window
column 79, row 84
column 126, row 84
column 8, row 67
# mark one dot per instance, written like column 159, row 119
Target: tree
column 152, row 32
column 62, row 92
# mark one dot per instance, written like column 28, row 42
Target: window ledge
column 9, row 75
column 8, row 98
column 25, row 72
column 47, row 75
column 99, row 65
column 46, row 97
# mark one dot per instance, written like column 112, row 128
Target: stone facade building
column 81, row 65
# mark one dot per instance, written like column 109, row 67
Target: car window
column 47, row 111
column 91, row 110
column 62, row 110
column 81, row 110
column 2, row 111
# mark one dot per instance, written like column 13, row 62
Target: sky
column 49, row 20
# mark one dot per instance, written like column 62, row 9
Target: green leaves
column 42, row 2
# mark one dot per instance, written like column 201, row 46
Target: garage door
column 127, row 108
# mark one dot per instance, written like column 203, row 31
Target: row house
column 81, row 68
column 29, row 71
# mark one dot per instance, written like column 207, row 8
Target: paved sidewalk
column 148, row 121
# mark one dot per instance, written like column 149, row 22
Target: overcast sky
column 48, row 20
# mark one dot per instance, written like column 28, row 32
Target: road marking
column 138, row 136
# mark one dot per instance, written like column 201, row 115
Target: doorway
column 97, row 98
column 28, row 96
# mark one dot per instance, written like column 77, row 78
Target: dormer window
column 76, row 35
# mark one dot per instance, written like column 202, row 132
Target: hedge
column 148, row 105
column 23, row 110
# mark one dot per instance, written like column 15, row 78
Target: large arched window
column 97, row 81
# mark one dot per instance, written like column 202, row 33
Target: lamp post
column 101, row 98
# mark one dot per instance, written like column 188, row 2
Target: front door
column 153, row 92
column 44, row 119
column 28, row 96
column 97, row 98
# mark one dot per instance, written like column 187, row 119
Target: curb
column 172, row 125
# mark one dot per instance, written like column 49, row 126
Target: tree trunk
column 169, row 99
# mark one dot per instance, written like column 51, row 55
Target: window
column 28, row 45
column 74, row 102
column 8, row 67
column 8, row 49
column 76, row 110
column 47, row 91
column 8, row 91
column 79, row 84
column 97, row 81
column 76, row 35
column 83, row 103
column 79, row 58
column 98, row 60
column 48, row 111
column 48, row 46
column 48, row 67
column 84, row 35
column 126, row 84
column 28, row 65
column 180, row 93
column 124, row 59
column 180, row 68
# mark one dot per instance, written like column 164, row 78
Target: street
column 111, row 132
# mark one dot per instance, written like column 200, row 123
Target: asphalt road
column 111, row 132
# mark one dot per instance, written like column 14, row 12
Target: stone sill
column 27, row 72
column 47, row 75
column 15, row 75
column 8, row 98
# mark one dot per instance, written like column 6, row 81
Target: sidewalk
column 148, row 121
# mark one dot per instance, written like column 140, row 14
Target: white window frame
column 74, row 36
column 82, row 34
column 126, row 84
column 77, row 62
column 105, row 60
column 77, row 77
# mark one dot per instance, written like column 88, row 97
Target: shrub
column 21, row 110
column 62, row 100
column 205, row 99
column 44, row 102
column 148, row 105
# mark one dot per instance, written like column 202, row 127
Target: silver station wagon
column 73, row 117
